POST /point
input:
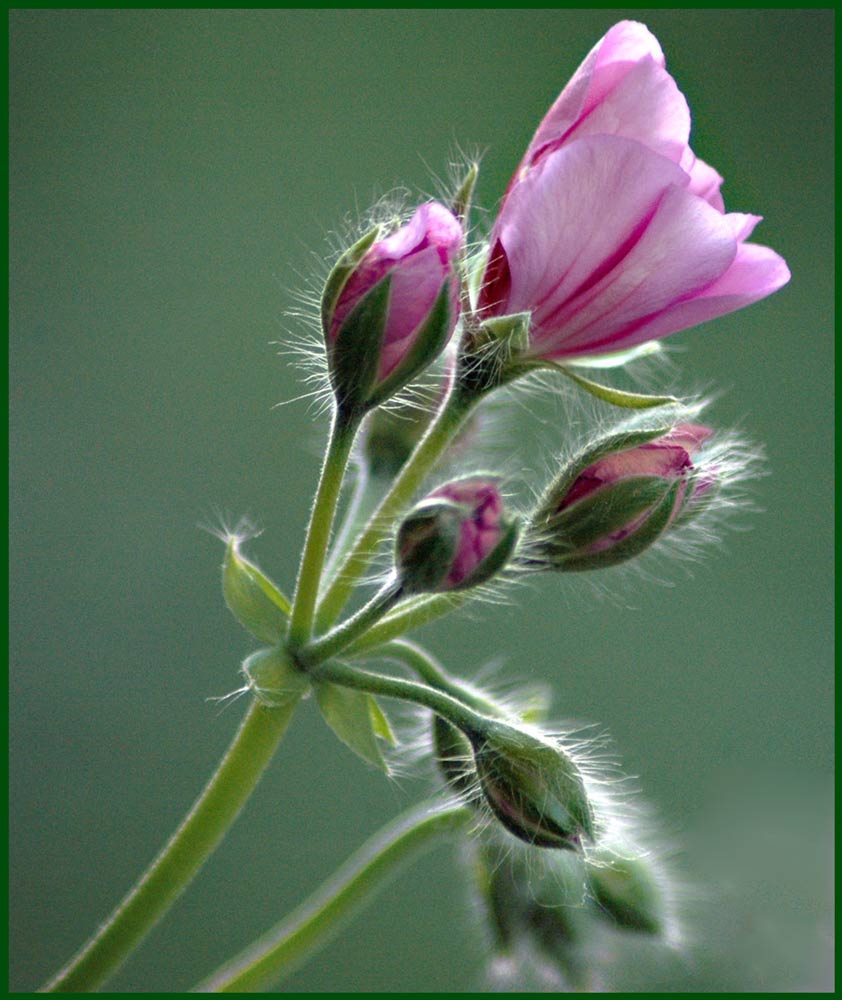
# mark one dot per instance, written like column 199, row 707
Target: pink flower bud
column 618, row 498
column 456, row 538
column 388, row 313
column 612, row 232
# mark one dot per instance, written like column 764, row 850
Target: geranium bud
column 456, row 538
column 389, row 307
column 627, row 893
column 619, row 497
column 612, row 233
column 273, row 677
column 533, row 787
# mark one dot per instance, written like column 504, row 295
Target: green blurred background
column 175, row 176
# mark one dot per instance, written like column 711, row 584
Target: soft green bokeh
column 176, row 177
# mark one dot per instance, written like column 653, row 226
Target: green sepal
column 510, row 332
column 350, row 716
column 616, row 397
column 380, row 725
column 618, row 359
column 558, row 489
column 632, row 545
column 455, row 759
column 606, row 510
column 274, row 679
column 254, row 600
column 427, row 343
column 354, row 357
column 426, row 543
column 340, row 273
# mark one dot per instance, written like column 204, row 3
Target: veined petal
column 573, row 219
column 756, row 272
column 686, row 246
column 604, row 68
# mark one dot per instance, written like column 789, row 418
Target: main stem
column 450, row 417
column 342, row 433
column 312, row 924
column 192, row 843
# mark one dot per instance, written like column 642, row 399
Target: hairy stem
column 181, row 858
column 342, row 433
column 450, row 708
column 432, row 672
column 453, row 412
column 317, row 920
column 402, row 620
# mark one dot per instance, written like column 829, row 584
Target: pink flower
column 618, row 499
column 612, row 232
column 457, row 537
column 392, row 315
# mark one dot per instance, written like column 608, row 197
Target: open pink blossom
column 612, row 232
column 418, row 259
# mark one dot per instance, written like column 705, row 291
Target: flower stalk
column 291, row 942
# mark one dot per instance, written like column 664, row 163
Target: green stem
column 342, row 433
column 431, row 671
column 368, row 489
column 351, row 629
column 453, row 412
column 202, row 829
column 450, row 708
column 317, row 920
column 414, row 615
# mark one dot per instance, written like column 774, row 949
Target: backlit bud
column 533, row 787
column 617, row 498
column 627, row 893
column 389, row 307
column 456, row 538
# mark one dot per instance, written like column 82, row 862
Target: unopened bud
column 389, row 307
column 619, row 497
column 456, row 538
column 533, row 787
column 627, row 893
column 273, row 677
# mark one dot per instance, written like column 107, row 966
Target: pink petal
column 573, row 219
column 415, row 286
column 615, row 55
column 756, row 272
column 644, row 105
column 685, row 247
column 704, row 180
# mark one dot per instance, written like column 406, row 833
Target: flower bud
column 627, row 893
column 273, row 677
column 533, row 787
column 389, row 307
column 254, row 600
column 456, row 538
column 536, row 907
column 617, row 498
